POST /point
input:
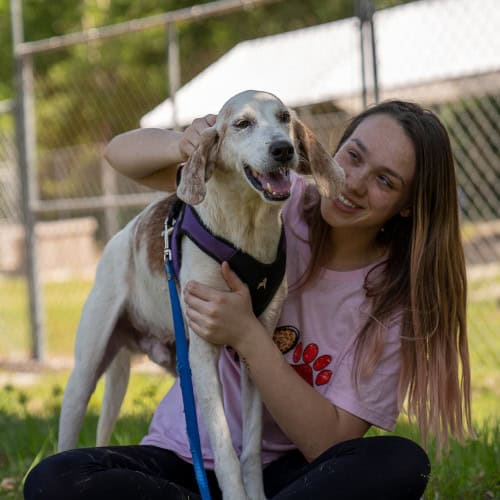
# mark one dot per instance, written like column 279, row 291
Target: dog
column 235, row 183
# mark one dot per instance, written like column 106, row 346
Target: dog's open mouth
column 274, row 185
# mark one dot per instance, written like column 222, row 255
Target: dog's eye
column 243, row 123
column 284, row 116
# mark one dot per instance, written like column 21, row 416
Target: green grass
column 29, row 414
column 63, row 304
column 29, row 418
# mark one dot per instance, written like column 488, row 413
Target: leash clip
column 167, row 251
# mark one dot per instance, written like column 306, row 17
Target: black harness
column 263, row 280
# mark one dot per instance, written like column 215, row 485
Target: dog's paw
column 313, row 367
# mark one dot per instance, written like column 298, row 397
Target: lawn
column 30, row 403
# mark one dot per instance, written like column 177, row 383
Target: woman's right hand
column 191, row 136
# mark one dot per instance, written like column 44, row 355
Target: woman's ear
column 316, row 161
column 199, row 168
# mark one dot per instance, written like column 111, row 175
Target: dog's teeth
column 269, row 188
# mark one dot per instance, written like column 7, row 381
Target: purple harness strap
column 190, row 225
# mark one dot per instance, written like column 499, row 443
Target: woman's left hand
column 220, row 317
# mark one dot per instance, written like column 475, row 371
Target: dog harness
column 263, row 280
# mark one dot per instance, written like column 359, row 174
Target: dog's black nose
column 281, row 151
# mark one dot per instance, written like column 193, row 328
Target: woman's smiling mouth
column 345, row 202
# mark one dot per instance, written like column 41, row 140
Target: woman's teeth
column 346, row 202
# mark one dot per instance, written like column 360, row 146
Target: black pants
column 385, row 467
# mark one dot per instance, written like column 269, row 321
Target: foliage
column 65, row 77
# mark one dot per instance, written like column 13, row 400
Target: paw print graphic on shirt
column 313, row 367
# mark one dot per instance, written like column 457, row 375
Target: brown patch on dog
column 150, row 228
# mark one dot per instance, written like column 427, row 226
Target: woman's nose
column 355, row 179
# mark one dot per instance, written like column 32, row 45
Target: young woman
column 375, row 314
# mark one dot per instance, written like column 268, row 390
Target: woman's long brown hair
column 424, row 281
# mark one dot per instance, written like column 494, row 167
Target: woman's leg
column 124, row 472
column 386, row 467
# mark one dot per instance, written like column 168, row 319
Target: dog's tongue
column 275, row 182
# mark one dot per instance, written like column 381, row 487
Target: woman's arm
column 309, row 420
column 151, row 156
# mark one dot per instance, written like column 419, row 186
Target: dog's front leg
column 252, row 410
column 203, row 358
column 251, row 461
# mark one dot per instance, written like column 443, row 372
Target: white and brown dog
column 235, row 183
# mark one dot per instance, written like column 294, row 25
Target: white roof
column 417, row 43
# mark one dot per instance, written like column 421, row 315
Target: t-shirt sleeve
column 374, row 398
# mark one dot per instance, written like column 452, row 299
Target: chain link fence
column 80, row 201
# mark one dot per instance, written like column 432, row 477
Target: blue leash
column 184, row 372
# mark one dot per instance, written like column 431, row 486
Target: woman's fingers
column 204, row 292
column 210, row 119
column 192, row 135
column 231, row 278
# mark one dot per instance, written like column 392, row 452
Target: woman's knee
column 413, row 456
column 51, row 478
column 409, row 463
column 388, row 466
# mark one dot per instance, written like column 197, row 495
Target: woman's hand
column 191, row 136
column 221, row 317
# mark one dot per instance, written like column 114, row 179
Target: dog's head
column 257, row 137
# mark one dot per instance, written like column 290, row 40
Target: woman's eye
column 385, row 181
column 243, row 124
column 353, row 154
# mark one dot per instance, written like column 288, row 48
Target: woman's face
column 379, row 164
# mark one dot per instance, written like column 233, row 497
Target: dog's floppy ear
column 316, row 161
column 199, row 168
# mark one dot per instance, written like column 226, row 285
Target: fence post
column 364, row 11
column 26, row 152
column 174, row 69
column 109, row 183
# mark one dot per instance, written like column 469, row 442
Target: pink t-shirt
column 316, row 333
